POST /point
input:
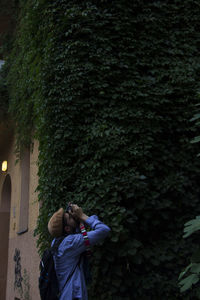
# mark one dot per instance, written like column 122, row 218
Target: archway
column 4, row 234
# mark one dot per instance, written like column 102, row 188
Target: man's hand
column 77, row 213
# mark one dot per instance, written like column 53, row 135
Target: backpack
column 48, row 283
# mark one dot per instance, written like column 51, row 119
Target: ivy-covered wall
column 3, row 96
column 109, row 88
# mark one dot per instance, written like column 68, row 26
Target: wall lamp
column 4, row 166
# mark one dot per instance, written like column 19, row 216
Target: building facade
column 19, row 208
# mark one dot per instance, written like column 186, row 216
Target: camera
column 69, row 207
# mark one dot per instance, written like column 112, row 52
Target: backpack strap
column 68, row 278
column 56, row 244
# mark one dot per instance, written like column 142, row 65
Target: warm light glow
column 4, row 166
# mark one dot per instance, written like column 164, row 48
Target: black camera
column 69, row 208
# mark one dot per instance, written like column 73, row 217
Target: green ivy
column 190, row 275
column 4, row 98
column 108, row 88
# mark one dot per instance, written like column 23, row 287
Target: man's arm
column 99, row 229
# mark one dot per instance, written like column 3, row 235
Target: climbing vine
column 108, row 89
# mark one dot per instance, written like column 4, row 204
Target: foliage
column 190, row 276
column 8, row 17
column 9, row 9
column 196, row 118
column 3, row 95
column 109, row 87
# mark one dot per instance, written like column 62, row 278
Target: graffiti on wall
column 18, row 268
column 22, row 283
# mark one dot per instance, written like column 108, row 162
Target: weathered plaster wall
column 23, row 259
column 4, row 224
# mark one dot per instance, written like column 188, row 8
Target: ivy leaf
column 185, row 271
column 196, row 117
column 192, row 226
column 188, row 282
column 195, row 140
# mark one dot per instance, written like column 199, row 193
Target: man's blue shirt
column 68, row 256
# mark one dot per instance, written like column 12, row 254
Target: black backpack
column 48, row 283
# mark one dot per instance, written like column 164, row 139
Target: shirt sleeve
column 75, row 244
column 99, row 230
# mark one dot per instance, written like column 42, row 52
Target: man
column 68, row 259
